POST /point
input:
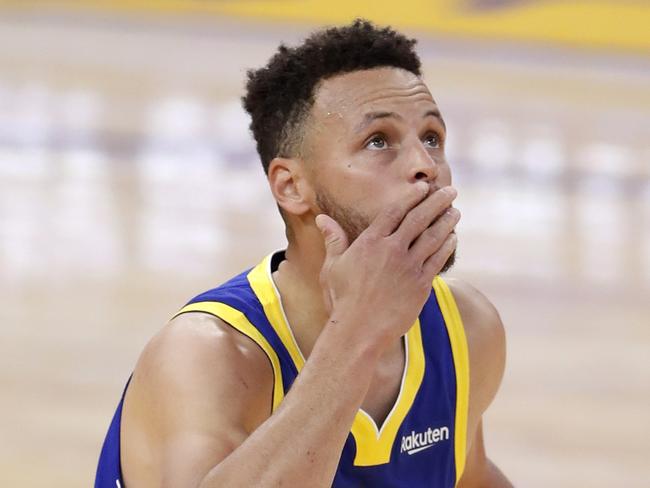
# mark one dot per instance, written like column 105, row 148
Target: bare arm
column 300, row 444
column 203, row 393
column 487, row 350
column 480, row 472
column 206, row 434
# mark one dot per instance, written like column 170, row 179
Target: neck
column 297, row 280
column 304, row 260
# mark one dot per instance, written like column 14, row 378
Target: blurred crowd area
column 129, row 182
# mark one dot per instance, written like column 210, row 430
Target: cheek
column 341, row 179
column 444, row 175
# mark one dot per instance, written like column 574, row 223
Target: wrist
column 349, row 329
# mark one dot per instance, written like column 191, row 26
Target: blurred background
column 129, row 183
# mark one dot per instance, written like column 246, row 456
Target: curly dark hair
column 279, row 95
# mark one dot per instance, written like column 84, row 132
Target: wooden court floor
column 128, row 184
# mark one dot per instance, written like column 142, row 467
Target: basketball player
column 344, row 360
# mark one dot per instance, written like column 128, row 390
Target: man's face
column 370, row 135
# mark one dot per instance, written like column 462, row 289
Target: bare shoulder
column 475, row 307
column 486, row 341
column 480, row 317
column 199, row 355
column 197, row 392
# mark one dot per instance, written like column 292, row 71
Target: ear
column 289, row 186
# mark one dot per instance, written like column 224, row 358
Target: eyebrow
column 370, row 117
column 436, row 113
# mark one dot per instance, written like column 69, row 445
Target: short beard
column 351, row 221
column 354, row 223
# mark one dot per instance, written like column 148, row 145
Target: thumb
column 336, row 242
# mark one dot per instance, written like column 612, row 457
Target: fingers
column 422, row 216
column 434, row 264
column 336, row 242
column 432, row 239
column 389, row 220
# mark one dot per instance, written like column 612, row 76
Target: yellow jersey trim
column 238, row 320
column 456, row 332
column 373, row 444
column 262, row 284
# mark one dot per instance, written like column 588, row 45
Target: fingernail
column 450, row 190
column 319, row 222
column 422, row 187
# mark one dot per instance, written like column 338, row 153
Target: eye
column 432, row 140
column 377, row 142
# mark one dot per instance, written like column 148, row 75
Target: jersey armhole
column 458, row 341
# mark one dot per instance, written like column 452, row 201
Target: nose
column 421, row 165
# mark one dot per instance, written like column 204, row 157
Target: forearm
column 300, row 444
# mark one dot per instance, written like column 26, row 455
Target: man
column 381, row 379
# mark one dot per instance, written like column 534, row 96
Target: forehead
column 351, row 94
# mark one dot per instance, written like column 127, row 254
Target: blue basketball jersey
column 421, row 443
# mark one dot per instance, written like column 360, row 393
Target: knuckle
column 437, row 262
column 331, row 239
column 420, row 221
column 450, row 219
column 433, row 238
column 437, row 259
column 448, row 215
column 452, row 213
column 393, row 245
